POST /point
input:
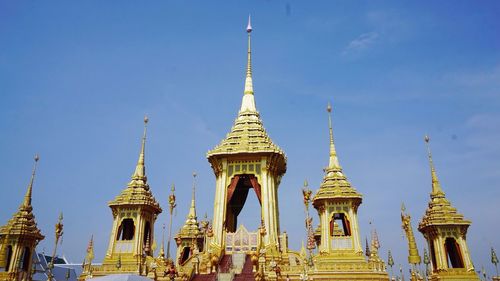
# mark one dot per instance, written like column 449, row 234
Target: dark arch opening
column 237, row 194
column 433, row 255
column 26, row 259
column 186, row 252
column 126, row 230
column 453, row 253
column 8, row 255
column 340, row 225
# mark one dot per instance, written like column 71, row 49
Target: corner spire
column 27, row 197
column 375, row 240
column 248, row 103
column 140, row 168
column 437, row 191
column 334, row 161
column 192, row 209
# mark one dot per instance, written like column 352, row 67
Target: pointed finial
column 390, row 260
column 426, row 257
column 27, row 197
column 367, row 248
column 192, row 209
column 140, row 169
column 494, row 258
column 249, row 26
column 171, row 199
column 403, row 208
column 248, row 102
column 437, row 191
column 334, row 161
column 194, row 186
column 375, row 240
column 162, row 248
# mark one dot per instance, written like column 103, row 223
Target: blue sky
column 77, row 78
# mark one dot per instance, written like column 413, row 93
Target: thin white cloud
column 362, row 42
column 477, row 78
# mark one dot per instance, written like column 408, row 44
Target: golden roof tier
column 335, row 184
column 248, row 134
column 137, row 191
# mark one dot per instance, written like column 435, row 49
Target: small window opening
column 126, row 230
column 453, row 253
column 186, row 252
column 339, row 225
column 8, row 254
column 26, row 259
column 433, row 256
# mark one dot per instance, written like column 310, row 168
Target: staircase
column 246, row 272
column 225, row 264
column 225, row 271
column 205, row 277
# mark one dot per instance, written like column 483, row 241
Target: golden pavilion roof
column 439, row 211
column 248, row 134
column 335, row 184
column 138, row 191
column 23, row 221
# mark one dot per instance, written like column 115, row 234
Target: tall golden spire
column 248, row 102
column 192, row 209
column 334, row 176
column 140, row 169
column 27, row 197
column 334, row 161
column 437, row 191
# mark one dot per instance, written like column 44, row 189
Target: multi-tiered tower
column 18, row 239
column 445, row 231
column 246, row 159
column 340, row 251
column 134, row 213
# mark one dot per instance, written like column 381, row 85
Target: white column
column 220, row 206
column 324, row 216
column 112, row 237
column 265, row 200
column 355, row 230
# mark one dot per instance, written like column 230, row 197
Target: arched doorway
column 237, row 194
column 453, row 253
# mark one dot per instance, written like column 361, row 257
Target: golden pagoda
column 340, row 251
column 246, row 159
column 445, row 231
column 190, row 238
column 18, row 239
column 132, row 234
